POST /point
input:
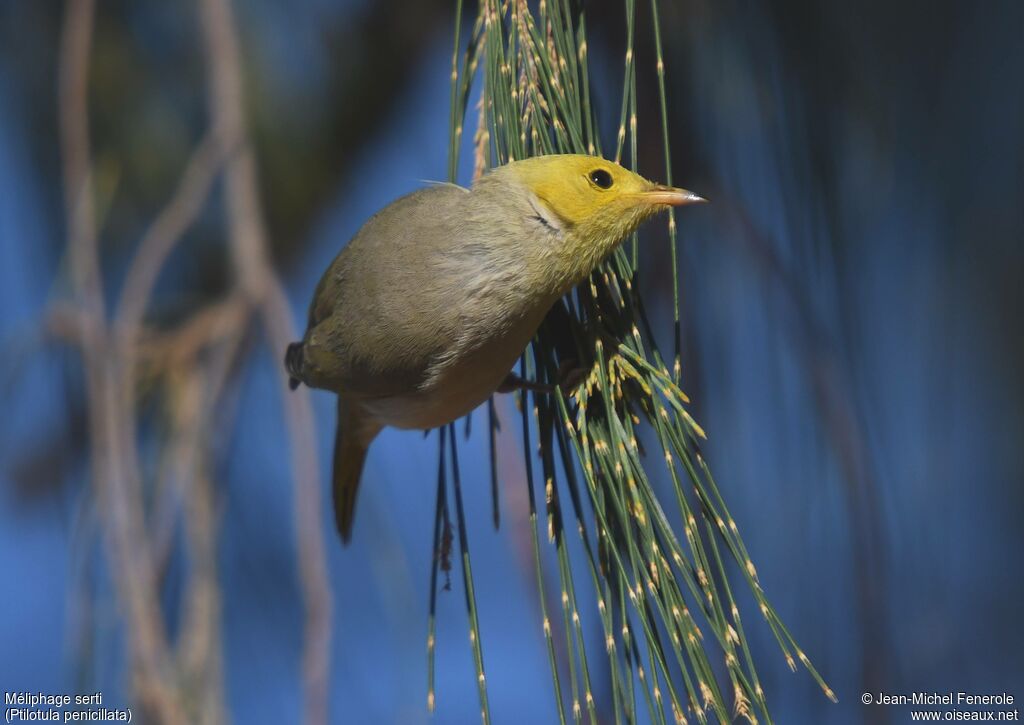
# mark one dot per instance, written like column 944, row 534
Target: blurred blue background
column 853, row 343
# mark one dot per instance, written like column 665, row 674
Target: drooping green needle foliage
column 663, row 601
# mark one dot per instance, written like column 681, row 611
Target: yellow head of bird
column 593, row 202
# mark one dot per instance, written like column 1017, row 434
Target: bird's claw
column 570, row 375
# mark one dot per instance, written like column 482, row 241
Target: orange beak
column 670, row 196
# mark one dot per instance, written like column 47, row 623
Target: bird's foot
column 570, row 375
column 513, row 382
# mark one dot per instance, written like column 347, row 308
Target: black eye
column 602, row 178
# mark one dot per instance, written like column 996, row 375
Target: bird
column 421, row 317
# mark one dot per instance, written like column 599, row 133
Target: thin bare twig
column 250, row 253
column 73, row 117
column 115, row 477
column 198, row 650
column 69, row 323
column 167, row 229
column 225, row 323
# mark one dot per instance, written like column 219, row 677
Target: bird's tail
column 352, row 439
column 293, row 364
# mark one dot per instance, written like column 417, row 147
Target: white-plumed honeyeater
column 422, row 316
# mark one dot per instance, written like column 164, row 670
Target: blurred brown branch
column 114, row 476
column 192, row 364
column 250, row 254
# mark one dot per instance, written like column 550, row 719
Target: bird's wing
column 378, row 318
